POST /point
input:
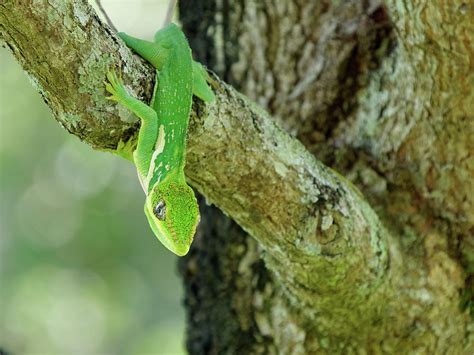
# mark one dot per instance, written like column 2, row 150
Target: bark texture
column 364, row 86
column 381, row 93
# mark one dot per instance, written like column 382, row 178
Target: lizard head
column 173, row 214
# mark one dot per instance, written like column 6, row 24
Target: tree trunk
column 383, row 94
column 369, row 102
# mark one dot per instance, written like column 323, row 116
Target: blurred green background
column 80, row 270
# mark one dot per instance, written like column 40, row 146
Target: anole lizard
column 170, row 204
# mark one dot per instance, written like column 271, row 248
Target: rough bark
column 361, row 98
column 339, row 76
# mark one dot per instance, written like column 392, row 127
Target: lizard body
column 170, row 205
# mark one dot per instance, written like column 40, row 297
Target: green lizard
column 170, row 205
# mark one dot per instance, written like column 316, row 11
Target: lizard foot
column 116, row 87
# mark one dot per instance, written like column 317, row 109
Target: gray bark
column 377, row 93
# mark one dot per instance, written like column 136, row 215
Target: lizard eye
column 160, row 210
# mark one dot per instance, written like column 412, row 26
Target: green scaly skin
column 170, row 205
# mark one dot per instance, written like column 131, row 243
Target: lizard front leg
column 148, row 133
column 156, row 53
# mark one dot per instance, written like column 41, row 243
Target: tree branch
column 318, row 233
